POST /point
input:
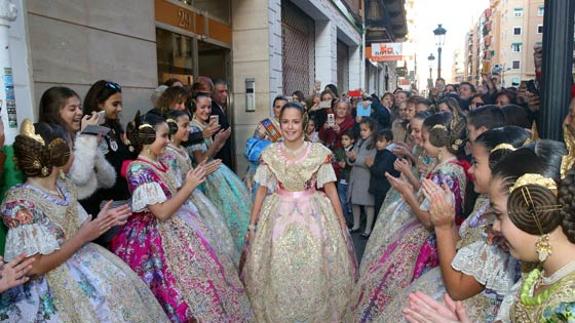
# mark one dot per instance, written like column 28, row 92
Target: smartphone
column 532, row 87
column 354, row 93
column 331, row 119
column 215, row 119
column 95, row 130
column 325, row 104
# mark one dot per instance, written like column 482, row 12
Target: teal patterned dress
column 227, row 192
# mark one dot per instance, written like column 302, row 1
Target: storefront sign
column 386, row 52
column 185, row 18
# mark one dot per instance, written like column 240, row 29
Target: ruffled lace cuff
column 504, row 313
column 488, row 264
column 147, row 194
column 325, row 175
column 29, row 239
column 265, row 177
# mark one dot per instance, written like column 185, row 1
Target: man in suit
column 219, row 108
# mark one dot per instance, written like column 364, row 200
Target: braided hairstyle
column 512, row 135
column 142, row 130
column 36, row 159
column 532, row 208
column 173, row 120
column 447, row 130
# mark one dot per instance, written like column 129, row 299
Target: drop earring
column 543, row 248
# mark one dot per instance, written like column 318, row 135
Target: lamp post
column 430, row 58
column 439, row 33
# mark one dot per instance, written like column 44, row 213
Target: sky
column 457, row 17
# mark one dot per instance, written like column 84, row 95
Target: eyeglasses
column 113, row 86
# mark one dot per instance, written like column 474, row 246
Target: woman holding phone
column 337, row 124
column 60, row 108
column 223, row 187
column 105, row 98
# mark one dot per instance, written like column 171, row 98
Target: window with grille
column 516, row 30
column 516, row 47
column 516, row 65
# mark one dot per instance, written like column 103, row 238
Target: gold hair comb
column 27, row 129
column 502, row 146
column 171, row 121
column 439, row 126
column 145, row 125
column 534, row 179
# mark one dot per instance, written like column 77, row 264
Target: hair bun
column 534, row 209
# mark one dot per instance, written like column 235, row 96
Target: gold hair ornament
column 542, row 245
column 145, row 125
column 502, row 146
column 27, row 129
column 439, row 126
column 534, row 179
column 171, row 121
column 568, row 160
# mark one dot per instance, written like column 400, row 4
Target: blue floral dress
column 227, row 192
column 91, row 286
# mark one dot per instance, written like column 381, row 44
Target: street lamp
column 430, row 58
column 439, row 33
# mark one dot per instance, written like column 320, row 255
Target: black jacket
column 378, row 183
column 226, row 153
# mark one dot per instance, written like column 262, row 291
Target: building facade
column 262, row 48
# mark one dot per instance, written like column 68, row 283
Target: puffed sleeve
column 29, row 231
column 146, row 189
column 200, row 146
column 265, row 177
column 490, row 265
column 326, row 173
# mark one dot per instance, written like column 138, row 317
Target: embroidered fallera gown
column 300, row 265
column 227, row 192
column 190, row 276
column 91, row 286
column 180, row 163
column 490, row 265
column 409, row 253
column 394, row 212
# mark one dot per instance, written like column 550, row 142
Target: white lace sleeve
column 488, row 264
column 83, row 215
column 29, row 239
column 28, row 230
column 265, row 177
column 147, row 194
column 325, row 174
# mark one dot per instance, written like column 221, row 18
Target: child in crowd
column 344, row 168
column 379, row 166
column 360, row 176
column 311, row 133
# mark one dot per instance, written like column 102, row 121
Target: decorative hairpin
column 502, row 146
column 27, row 129
column 145, row 125
column 171, row 121
column 534, row 179
column 439, row 126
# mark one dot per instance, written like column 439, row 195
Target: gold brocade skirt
column 299, row 267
